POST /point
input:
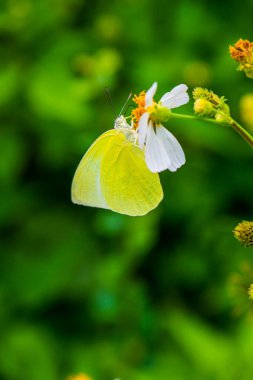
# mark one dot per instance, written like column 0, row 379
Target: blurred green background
column 86, row 290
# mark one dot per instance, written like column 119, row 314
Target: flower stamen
column 140, row 109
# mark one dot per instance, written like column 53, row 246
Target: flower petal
column 150, row 94
column 172, row 147
column 156, row 157
column 176, row 97
column 142, row 129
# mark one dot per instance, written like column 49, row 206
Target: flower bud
column 246, row 109
column 250, row 292
column 207, row 103
column 203, row 107
column 242, row 52
column 244, row 233
column 222, row 117
column 80, row 376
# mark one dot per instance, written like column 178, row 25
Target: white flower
column 162, row 151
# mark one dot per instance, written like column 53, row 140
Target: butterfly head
column 121, row 123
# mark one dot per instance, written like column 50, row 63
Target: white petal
column 176, row 97
column 150, row 94
column 172, row 147
column 157, row 159
column 142, row 129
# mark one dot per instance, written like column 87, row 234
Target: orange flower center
column 140, row 109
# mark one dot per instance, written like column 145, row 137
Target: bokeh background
column 86, row 290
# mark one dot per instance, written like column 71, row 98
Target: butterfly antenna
column 110, row 100
column 129, row 96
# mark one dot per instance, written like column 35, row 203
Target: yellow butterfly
column 113, row 174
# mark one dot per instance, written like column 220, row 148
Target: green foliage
column 88, row 290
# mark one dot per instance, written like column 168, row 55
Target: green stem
column 191, row 117
column 231, row 123
column 242, row 132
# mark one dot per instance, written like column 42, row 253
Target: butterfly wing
column 128, row 186
column 113, row 174
column 86, row 186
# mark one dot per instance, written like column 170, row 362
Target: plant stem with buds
column 231, row 123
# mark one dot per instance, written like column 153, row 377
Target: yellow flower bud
column 250, row 292
column 81, row 376
column 203, row 107
column 207, row 103
column 246, row 109
column 222, row 117
column 244, row 233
